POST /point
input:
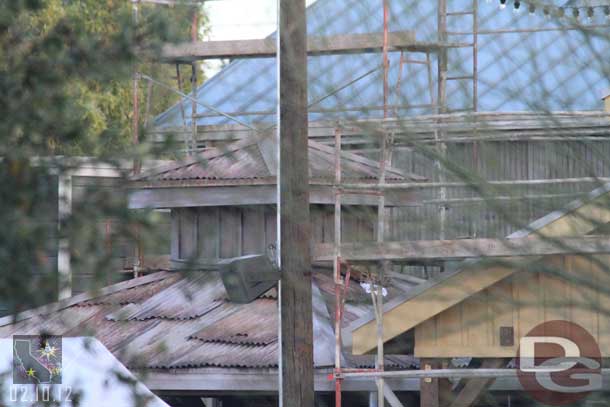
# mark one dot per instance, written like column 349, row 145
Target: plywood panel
column 449, row 328
column 555, row 291
column 528, row 297
column 584, row 299
column 175, row 232
column 477, row 321
column 230, row 232
column 501, row 309
column 253, row 230
column 209, row 237
column 430, row 302
column 601, row 271
column 425, row 334
column 188, row 233
column 317, row 224
column 573, row 288
column 329, row 224
column 270, row 226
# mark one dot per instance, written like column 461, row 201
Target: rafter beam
column 266, row 48
column 463, row 248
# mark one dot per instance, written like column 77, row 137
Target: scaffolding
column 438, row 125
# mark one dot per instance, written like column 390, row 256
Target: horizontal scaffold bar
column 463, row 248
column 266, row 48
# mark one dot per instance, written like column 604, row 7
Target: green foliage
column 66, row 77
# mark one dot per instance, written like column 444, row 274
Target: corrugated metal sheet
column 136, row 294
column 188, row 298
column 241, row 328
column 246, row 164
column 182, row 320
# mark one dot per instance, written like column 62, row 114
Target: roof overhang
column 154, row 197
column 429, row 299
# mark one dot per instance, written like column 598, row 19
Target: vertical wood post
column 442, row 108
column 296, row 344
column 442, row 56
column 428, row 387
column 64, row 210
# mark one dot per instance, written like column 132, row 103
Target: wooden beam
column 463, row 248
column 296, row 325
column 266, row 48
column 391, row 397
column 428, row 386
column 186, row 195
column 475, row 387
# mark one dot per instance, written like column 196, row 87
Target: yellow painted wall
column 523, row 300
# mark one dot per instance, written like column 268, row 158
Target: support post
column 428, row 387
column 442, row 109
column 296, row 344
column 386, row 61
column 193, row 141
column 64, row 209
column 137, row 163
column 337, row 267
column 193, row 135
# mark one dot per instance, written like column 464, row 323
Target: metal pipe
column 212, row 108
column 386, row 61
column 475, row 55
column 453, row 373
column 400, row 185
column 531, row 30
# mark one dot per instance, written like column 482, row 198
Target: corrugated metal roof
column 243, row 161
column 176, row 320
column 187, row 298
column 240, row 328
column 551, row 59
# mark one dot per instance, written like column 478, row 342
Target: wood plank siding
column 467, row 215
column 571, row 287
column 231, row 231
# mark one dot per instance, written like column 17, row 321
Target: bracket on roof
column 246, row 278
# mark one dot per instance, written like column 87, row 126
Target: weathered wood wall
column 224, row 231
column 88, row 193
column 522, row 301
column 497, row 161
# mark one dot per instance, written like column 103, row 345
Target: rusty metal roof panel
column 244, row 163
column 189, row 297
column 209, row 354
column 255, row 325
column 55, row 323
column 184, row 320
column 390, row 361
column 136, row 294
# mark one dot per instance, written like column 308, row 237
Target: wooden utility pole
column 296, row 344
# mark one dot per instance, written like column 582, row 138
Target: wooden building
column 223, row 201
